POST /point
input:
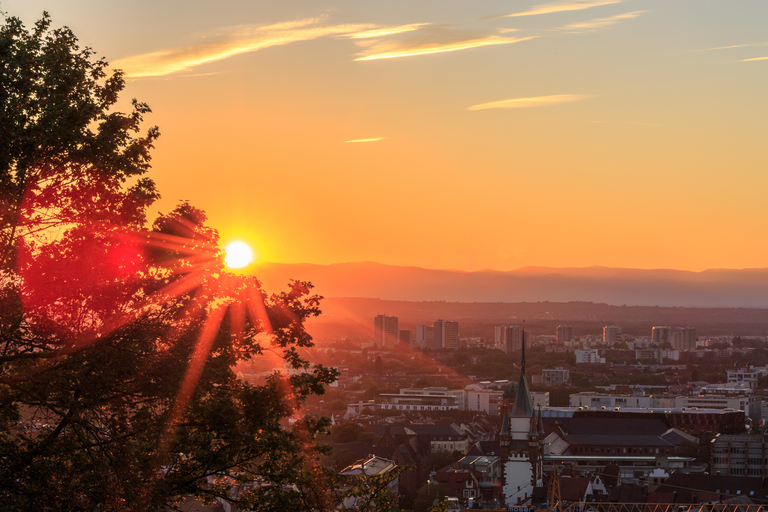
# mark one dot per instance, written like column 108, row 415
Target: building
column 406, row 336
column 661, row 334
column 513, row 338
column 385, row 331
column 684, row 338
column 425, row 336
column 611, row 334
column 657, row 355
column 521, row 445
column 745, row 375
column 564, row 334
column 696, row 422
column 485, row 400
column 446, row 334
column 371, row 466
column 423, row 399
column 540, row 399
column 588, row 356
column 556, row 377
column 740, row 455
column 750, row 404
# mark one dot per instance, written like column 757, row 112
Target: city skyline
column 623, row 133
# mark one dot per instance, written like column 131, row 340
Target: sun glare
column 237, row 255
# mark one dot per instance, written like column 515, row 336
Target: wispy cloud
column 386, row 51
column 535, row 101
column 754, row 59
column 377, row 41
column 750, row 45
column 387, row 31
column 230, row 42
column 596, row 24
column 575, row 5
column 374, row 139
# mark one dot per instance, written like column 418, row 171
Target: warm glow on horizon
column 329, row 132
column 238, row 255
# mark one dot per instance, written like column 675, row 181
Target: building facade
column 684, row 338
column 740, row 455
column 661, row 334
column 555, row 377
column 385, row 331
column 588, row 356
column 564, row 334
column 425, row 336
column 611, row 334
column 446, row 334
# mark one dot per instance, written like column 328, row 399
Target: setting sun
column 238, row 255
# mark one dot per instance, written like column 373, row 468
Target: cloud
column 536, row 101
column 432, row 40
column 230, row 42
column 576, row 5
column 754, row 59
column 737, row 46
column 586, row 26
column 387, row 31
column 375, row 139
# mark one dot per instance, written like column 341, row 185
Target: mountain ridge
column 610, row 285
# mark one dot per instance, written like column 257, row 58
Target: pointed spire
column 522, row 406
column 522, row 362
column 540, row 424
column 533, row 431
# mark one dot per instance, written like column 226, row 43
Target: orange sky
column 463, row 135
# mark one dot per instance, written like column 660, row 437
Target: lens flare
column 238, row 255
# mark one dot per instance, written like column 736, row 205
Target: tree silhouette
column 118, row 342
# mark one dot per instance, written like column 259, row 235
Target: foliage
column 369, row 493
column 442, row 458
column 117, row 342
column 428, row 494
column 346, row 432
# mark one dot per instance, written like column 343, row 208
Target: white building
column 590, row 355
column 746, row 375
column 479, row 399
column 424, row 399
column 611, row 334
column 657, row 354
column 555, row 377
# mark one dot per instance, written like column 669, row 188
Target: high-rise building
column 385, row 331
column 661, row 334
column 564, row 333
column 611, row 334
column 684, row 338
column 425, row 336
column 514, row 337
column 446, row 334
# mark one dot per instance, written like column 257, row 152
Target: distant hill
column 747, row 288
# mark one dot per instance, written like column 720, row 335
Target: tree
column 117, row 342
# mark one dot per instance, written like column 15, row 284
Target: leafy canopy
column 118, row 341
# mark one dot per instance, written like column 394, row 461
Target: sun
column 237, row 255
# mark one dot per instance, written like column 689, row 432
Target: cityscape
column 399, row 256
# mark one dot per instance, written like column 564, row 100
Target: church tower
column 521, row 444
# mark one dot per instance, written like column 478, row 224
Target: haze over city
column 462, row 135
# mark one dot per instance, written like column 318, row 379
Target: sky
column 454, row 134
